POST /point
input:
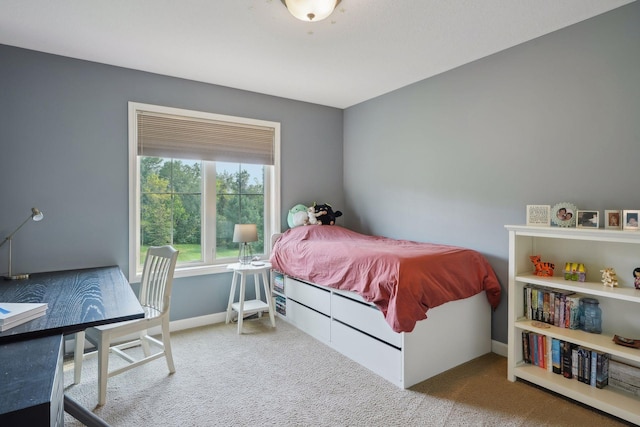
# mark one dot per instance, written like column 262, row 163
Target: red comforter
column 402, row 278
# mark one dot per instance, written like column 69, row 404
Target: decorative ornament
column 609, row 277
column 542, row 268
column 575, row 271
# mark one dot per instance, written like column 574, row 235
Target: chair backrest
column 157, row 279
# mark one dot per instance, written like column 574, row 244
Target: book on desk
column 15, row 313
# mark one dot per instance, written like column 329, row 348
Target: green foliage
column 171, row 208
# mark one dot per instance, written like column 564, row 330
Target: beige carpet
column 284, row 377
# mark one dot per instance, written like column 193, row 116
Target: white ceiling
column 365, row 49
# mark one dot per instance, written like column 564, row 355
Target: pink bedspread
column 402, row 278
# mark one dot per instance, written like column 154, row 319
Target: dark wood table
column 77, row 299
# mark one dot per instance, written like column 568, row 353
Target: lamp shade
column 243, row 233
column 311, row 10
column 36, row 214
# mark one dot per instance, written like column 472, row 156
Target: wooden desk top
column 30, row 382
column 77, row 299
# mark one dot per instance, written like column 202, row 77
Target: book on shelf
column 584, row 365
column 534, row 349
column 602, row 369
column 556, row 363
column 624, row 377
column 15, row 313
column 624, row 372
column 573, row 361
column 566, row 359
column 526, row 355
column 547, row 305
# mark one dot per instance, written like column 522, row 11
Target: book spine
column 555, row 356
column 574, row 362
column 594, row 365
column 546, row 307
column 602, row 372
column 540, row 305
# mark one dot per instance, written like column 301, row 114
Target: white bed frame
column 453, row 333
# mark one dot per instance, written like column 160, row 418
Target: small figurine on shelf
column 609, row 277
column 542, row 268
column 636, row 277
column 575, row 271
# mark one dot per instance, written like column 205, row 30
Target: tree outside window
column 172, row 200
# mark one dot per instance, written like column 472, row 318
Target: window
column 193, row 176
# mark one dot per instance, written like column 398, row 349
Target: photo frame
column 630, row 219
column 613, row 219
column 564, row 214
column 587, row 219
column 539, row 215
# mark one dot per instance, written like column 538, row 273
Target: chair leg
column 144, row 343
column 78, row 357
column 103, row 368
column 166, row 340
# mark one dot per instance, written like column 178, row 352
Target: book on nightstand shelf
column 278, row 282
column 13, row 313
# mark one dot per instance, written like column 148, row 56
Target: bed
column 406, row 310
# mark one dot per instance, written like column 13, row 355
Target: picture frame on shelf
column 630, row 218
column 539, row 215
column 564, row 215
column 587, row 219
column 613, row 219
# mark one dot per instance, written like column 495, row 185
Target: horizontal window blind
column 181, row 137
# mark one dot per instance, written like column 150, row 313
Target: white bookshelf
column 597, row 249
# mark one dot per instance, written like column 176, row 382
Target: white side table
column 251, row 306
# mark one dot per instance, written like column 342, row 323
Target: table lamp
column 35, row 215
column 243, row 234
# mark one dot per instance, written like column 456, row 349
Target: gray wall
column 63, row 149
column 455, row 157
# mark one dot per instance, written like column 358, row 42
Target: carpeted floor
column 284, row 377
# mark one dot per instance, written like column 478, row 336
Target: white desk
column 251, row 306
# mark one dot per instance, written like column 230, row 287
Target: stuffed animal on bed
column 313, row 216
column 297, row 216
column 325, row 214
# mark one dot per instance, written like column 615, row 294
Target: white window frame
column 271, row 193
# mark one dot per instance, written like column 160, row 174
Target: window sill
column 192, row 271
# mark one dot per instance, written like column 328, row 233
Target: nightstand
column 259, row 270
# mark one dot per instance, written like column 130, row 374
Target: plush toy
column 313, row 216
column 542, row 268
column 325, row 214
column 297, row 216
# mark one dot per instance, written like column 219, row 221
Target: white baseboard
column 174, row 326
column 499, row 348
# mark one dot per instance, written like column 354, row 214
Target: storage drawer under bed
column 310, row 295
column 364, row 317
column 381, row 358
column 309, row 321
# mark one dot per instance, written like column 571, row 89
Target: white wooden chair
column 155, row 298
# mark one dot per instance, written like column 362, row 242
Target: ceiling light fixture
column 311, row 10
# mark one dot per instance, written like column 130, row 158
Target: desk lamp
column 243, row 234
column 36, row 215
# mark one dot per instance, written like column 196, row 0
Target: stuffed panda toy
column 326, row 214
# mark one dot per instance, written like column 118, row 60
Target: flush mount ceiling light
column 311, row 10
